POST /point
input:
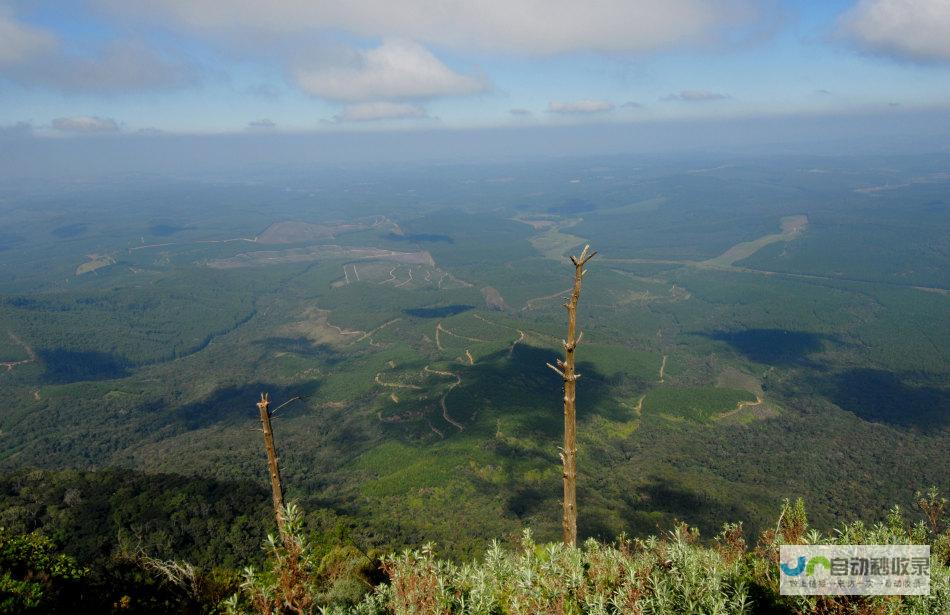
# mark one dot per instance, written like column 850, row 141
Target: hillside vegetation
column 675, row 572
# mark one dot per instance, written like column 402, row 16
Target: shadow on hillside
column 644, row 510
column 303, row 347
column 653, row 508
column 237, row 404
column 67, row 366
column 518, row 409
column 883, row 397
column 523, row 388
column 526, row 500
column 167, row 515
column 773, row 346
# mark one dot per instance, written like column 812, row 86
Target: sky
column 218, row 66
column 113, row 86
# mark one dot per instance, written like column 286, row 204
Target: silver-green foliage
column 670, row 574
column 673, row 575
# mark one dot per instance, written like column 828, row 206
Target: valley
column 723, row 336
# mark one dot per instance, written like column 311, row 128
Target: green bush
column 33, row 576
column 670, row 574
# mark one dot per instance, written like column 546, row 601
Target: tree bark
column 272, row 462
column 565, row 369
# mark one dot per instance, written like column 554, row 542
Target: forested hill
column 119, row 542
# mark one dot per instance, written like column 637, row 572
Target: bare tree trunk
column 565, row 369
column 272, row 464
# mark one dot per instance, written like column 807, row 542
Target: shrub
column 674, row 573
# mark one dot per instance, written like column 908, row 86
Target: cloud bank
column 375, row 111
column 580, row 106
column 521, row 26
column 261, row 124
column 695, row 96
column 85, row 124
column 909, row 29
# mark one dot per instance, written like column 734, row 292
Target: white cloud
column 86, row 124
column 695, row 96
column 911, row 29
column 581, row 106
column 520, row 112
column 396, row 70
column 523, row 26
column 373, row 111
column 20, row 42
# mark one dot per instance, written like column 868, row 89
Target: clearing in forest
column 792, row 227
column 95, row 262
column 314, row 325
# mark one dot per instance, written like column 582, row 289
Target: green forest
column 758, row 339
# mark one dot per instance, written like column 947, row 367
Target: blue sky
column 211, row 66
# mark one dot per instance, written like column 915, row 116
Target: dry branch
column 565, row 369
column 272, row 462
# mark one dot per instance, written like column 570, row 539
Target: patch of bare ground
column 399, row 418
column 744, row 411
column 938, row 177
column 315, row 326
column 95, row 262
column 791, row 227
column 292, row 231
column 30, row 355
column 733, row 378
column 493, row 299
column 553, row 243
column 538, row 224
column 317, row 253
column 395, row 385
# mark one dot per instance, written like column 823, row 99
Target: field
column 752, row 331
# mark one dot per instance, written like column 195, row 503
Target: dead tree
column 565, row 369
column 272, row 465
